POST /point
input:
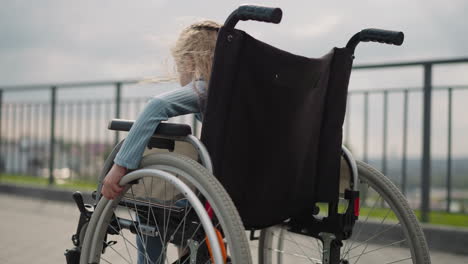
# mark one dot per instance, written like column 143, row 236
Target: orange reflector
column 221, row 245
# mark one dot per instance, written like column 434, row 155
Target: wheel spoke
column 316, row 261
column 285, row 239
column 398, row 260
column 374, row 236
column 376, row 249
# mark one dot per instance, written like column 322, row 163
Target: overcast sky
column 60, row 41
column 55, row 41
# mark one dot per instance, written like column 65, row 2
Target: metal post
column 1, row 120
column 6, row 143
column 405, row 143
column 366, row 125
column 21, row 107
column 384, row 136
column 53, row 101
column 88, row 137
column 118, row 99
column 347, row 120
column 426, row 151
column 449, row 151
column 15, row 155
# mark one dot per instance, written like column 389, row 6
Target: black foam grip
column 164, row 129
column 260, row 13
column 383, row 36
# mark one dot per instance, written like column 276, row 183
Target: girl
column 193, row 55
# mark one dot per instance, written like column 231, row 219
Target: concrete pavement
column 38, row 231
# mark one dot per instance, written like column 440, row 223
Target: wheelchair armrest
column 163, row 129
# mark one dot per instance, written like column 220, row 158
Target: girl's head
column 194, row 50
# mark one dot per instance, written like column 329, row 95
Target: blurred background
column 68, row 67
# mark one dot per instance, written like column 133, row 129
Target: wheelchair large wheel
column 157, row 221
column 387, row 231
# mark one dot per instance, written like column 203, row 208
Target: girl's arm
column 161, row 108
column 179, row 102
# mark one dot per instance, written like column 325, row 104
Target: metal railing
column 426, row 91
column 68, row 139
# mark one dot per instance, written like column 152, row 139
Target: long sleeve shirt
column 185, row 100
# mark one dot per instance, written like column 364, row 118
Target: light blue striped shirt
column 160, row 108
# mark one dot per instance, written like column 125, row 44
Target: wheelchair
column 270, row 162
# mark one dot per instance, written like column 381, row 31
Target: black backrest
column 273, row 126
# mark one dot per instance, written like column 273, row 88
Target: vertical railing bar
column 385, row 133
column 53, row 101
column 15, row 133
column 97, row 127
column 25, row 138
column 118, row 99
column 73, row 127
column 449, row 151
column 61, row 135
column 109, row 117
column 133, row 106
column 2, row 162
column 40, row 126
column 37, row 143
column 141, row 104
column 7, row 135
column 426, row 151
column 18, row 134
column 9, row 124
column 29, row 129
column 103, row 128
column 30, row 138
column 19, row 131
column 78, row 139
column 82, row 139
column 405, row 143
column 65, row 135
column 26, row 130
column 366, row 127
column 347, row 120
column 22, row 135
column 88, row 141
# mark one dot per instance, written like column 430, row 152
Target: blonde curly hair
column 194, row 49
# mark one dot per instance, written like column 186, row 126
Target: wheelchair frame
column 331, row 230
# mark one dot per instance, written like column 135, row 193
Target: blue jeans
column 153, row 248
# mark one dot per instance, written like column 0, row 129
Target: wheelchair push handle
column 253, row 12
column 376, row 35
column 383, row 36
column 260, row 13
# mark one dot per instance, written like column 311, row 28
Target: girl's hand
column 110, row 187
